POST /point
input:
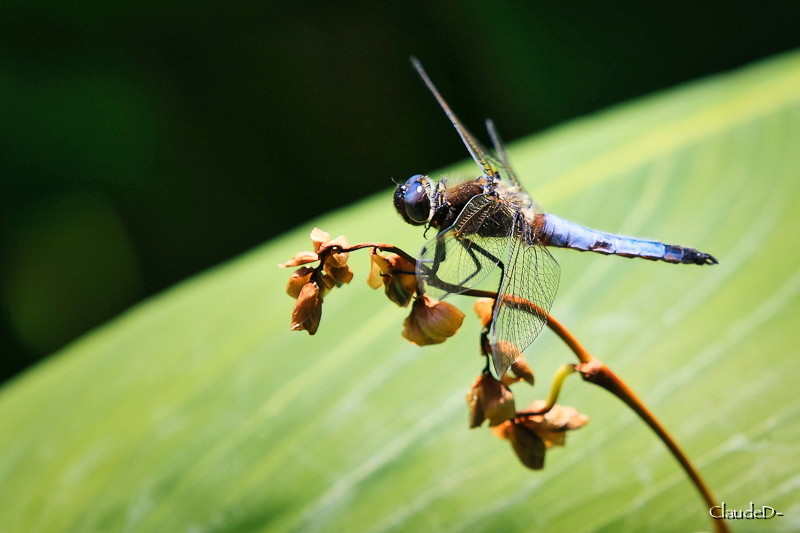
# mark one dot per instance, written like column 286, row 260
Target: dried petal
column 325, row 283
column 502, row 431
column 522, row 369
column 378, row 266
column 300, row 258
column 307, row 311
column 439, row 319
column 413, row 332
column 299, row 277
column 431, row 321
column 340, row 259
column 476, row 414
column 399, row 264
column 401, row 288
column 339, row 275
column 483, row 308
column 489, row 399
column 395, row 273
column 319, row 237
column 553, row 425
column 528, row 445
column 335, row 263
column 341, row 240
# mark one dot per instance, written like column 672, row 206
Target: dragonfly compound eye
column 413, row 200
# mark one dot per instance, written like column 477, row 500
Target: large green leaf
column 200, row 411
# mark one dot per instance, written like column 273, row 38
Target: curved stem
column 383, row 247
column 599, row 374
column 570, row 340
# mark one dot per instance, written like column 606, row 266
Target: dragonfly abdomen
column 556, row 231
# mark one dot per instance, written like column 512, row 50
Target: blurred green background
column 144, row 143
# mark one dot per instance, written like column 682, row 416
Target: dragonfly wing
column 479, row 154
column 502, row 158
column 462, row 256
column 530, row 276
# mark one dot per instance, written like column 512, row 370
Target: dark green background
column 140, row 144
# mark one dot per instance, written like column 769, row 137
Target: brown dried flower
column 395, row 274
column 527, row 444
column 307, row 311
column 489, row 399
column 431, row 321
column 531, row 435
column 309, row 285
column 335, row 263
column 299, row 277
column 553, row 425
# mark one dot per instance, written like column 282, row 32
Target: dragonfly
column 490, row 223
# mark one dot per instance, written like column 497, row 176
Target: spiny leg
column 470, row 247
column 431, row 273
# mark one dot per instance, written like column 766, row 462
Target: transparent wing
column 530, row 276
column 502, row 159
column 462, row 256
column 488, row 164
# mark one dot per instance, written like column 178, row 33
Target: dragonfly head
column 413, row 200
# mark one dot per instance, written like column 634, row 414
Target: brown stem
column 383, row 247
column 569, row 339
column 599, row 374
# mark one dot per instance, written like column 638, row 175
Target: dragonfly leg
column 484, row 252
column 431, row 273
column 470, row 247
column 438, row 258
column 430, row 270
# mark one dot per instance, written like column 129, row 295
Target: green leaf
column 200, row 411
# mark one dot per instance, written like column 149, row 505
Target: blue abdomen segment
column 556, row 231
